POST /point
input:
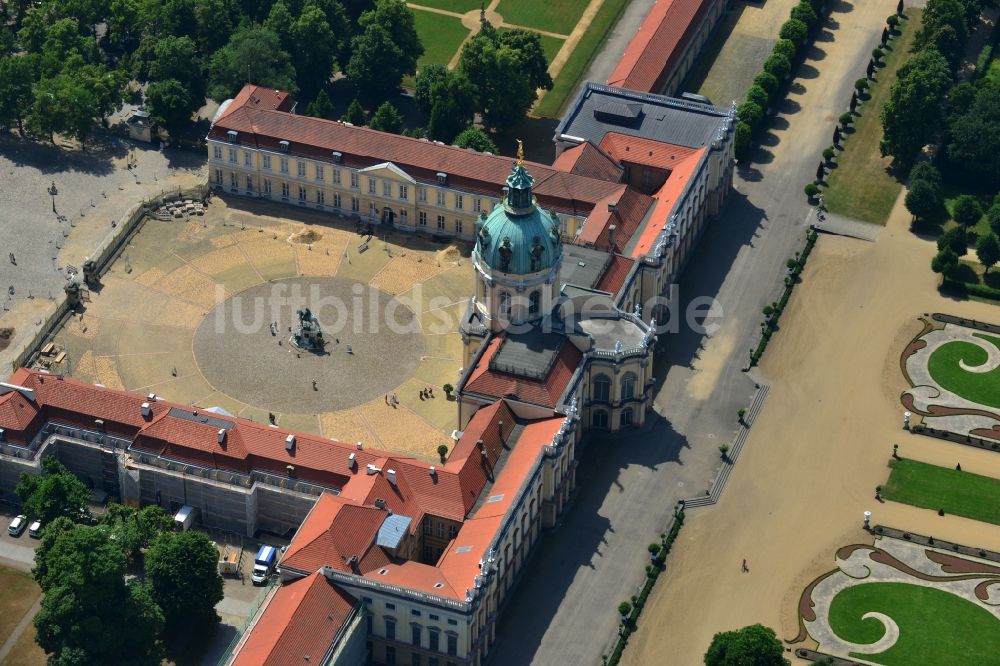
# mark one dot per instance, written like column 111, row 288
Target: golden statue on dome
column 520, row 152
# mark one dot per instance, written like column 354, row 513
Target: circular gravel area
column 240, row 356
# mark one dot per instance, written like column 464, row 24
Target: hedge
column 647, row 587
column 971, row 289
column 772, row 323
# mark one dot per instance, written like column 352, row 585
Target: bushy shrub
column 861, row 85
column 829, row 154
column 892, row 22
column 877, row 54
column 795, row 30
column 750, row 113
column 758, row 96
column 967, row 210
column 805, row 13
column 956, row 239
column 778, row 65
column 741, row 139
column 811, row 190
column 785, row 47
column 846, row 119
column 767, row 81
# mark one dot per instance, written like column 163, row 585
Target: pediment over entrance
column 388, row 170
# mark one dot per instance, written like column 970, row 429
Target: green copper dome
column 518, row 237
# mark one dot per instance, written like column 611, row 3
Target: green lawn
column 933, row 487
column 935, row 627
column 555, row 100
column 441, row 36
column 862, row 186
column 981, row 387
column 457, row 6
column 551, row 46
column 558, row 16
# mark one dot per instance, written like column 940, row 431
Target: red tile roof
column 363, row 147
column 659, row 45
column 299, row 623
column 589, row 160
column 632, row 207
column 614, row 276
column 666, row 198
column 336, row 530
column 259, row 97
column 647, row 152
column 466, row 459
column 496, row 384
column 16, row 412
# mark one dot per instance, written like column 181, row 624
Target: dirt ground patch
column 18, row 592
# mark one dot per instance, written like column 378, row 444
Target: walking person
column 746, row 569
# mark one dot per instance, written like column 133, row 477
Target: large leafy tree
column 913, row 113
column 387, row 119
column 321, row 107
column 377, row 64
column 506, row 68
column 975, row 134
column 55, row 492
column 170, row 104
column 279, row 21
column 176, row 58
column 89, row 615
column 452, row 107
column 125, row 24
column 988, row 251
column 923, row 199
column 135, row 529
column 397, row 20
column 17, row 77
column 315, row 47
column 755, row 645
column 252, row 53
column 426, row 78
column 944, row 27
column 214, row 24
column 182, row 570
column 477, row 139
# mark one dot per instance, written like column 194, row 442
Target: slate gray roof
column 393, row 530
column 606, row 332
column 660, row 118
column 589, row 273
column 528, row 354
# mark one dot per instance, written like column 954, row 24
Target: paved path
column 617, row 40
column 8, row 644
column 845, row 226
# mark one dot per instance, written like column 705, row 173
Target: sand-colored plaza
column 201, row 310
column 817, row 450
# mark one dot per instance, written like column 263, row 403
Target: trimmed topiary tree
column 785, row 47
column 442, row 451
column 829, row 154
column 811, row 190
column 805, row 13
column 758, row 96
column 778, row 65
column 767, row 81
column 846, row 119
column 861, row 85
column 741, row 139
column 795, row 30
column 750, row 113
column 967, row 210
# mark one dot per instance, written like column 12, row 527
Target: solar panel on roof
column 463, row 549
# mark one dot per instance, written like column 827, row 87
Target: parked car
column 35, row 529
column 16, row 527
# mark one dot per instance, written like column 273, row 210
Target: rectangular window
column 266, row 162
column 415, row 613
column 387, row 189
column 452, row 531
column 422, row 218
column 232, row 179
column 354, row 180
column 371, row 186
column 218, row 176
column 267, row 186
column 390, row 655
column 284, row 165
column 404, row 216
column 440, row 221
column 459, row 202
column 477, row 205
column 249, row 184
column 432, row 616
column 390, row 606
column 453, row 645
column 284, row 190
column 320, row 175
column 301, row 166
column 434, row 639
column 415, row 637
column 355, row 204
column 421, row 193
column 336, row 200
column 302, row 193
column 440, row 197
column 247, row 158
column 320, row 197
column 372, row 210
column 452, row 622
column 404, row 192
column 458, row 226
column 390, row 629
column 415, row 659
column 336, row 176
column 217, row 152
column 232, row 155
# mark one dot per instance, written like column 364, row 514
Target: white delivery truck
column 185, row 517
column 263, row 564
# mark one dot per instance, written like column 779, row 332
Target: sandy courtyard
column 817, row 450
column 153, row 327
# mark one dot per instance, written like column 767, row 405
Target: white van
column 16, row 527
column 35, row 529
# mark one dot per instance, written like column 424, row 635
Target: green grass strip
column 932, row 487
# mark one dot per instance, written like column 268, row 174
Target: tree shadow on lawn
column 788, row 107
column 49, row 159
column 797, row 88
column 815, row 53
column 842, row 7
column 806, row 71
column 825, row 35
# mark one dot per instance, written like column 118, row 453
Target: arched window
column 534, row 302
column 626, row 417
column 628, row 386
column 504, row 309
column 600, row 419
column 602, row 388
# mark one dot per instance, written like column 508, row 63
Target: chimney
column 379, row 503
column 360, row 446
column 290, row 469
column 351, row 461
column 222, row 435
column 613, row 207
column 391, row 476
column 372, row 469
column 353, row 563
column 151, row 397
column 500, row 429
column 99, row 423
column 290, row 443
column 611, row 235
column 432, row 471
column 1, row 434
column 145, row 409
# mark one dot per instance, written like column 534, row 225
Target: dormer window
column 284, row 146
column 442, row 178
column 232, row 135
column 338, row 157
